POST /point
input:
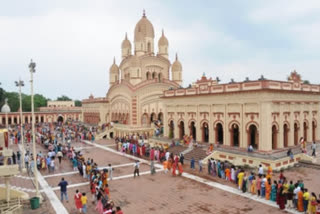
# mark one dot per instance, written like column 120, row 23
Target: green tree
column 64, row 98
column 13, row 100
column 306, row 82
column 78, row 103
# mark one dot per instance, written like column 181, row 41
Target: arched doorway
column 285, row 135
column 314, row 131
column 305, row 131
column 144, row 119
column 160, row 117
column 235, row 135
column 160, row 77
column 296, row 130
column 253, row 136
column 219, row 133
column 171, row 129
column 274, row 137
column 153, row 117
column 193, row 130
column 181, row 130
column 205, row 132
column 148, row 75
column 60, row 119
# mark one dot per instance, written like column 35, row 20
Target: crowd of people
column 57, row 139
column 287, row 194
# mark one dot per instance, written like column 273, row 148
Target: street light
column 32, row 66
column 20, row 84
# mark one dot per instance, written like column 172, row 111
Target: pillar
column 7, row 183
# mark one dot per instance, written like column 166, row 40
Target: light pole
column 32, row 67
column 20, row 84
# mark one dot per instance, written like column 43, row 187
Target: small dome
column 176, row 66
column 114, row 67
column 6, row 108
column 126, row 43
column 143, row 29
column 163, row 41
column 135, row 61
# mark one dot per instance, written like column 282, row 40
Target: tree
column 13, row 100
column 64, row 98
column 306, row 82
column 77, row 103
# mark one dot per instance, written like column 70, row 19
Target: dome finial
column 176, row 56
column 162, row 32
column 114, row 60
column 144, row 13
column 126, row 36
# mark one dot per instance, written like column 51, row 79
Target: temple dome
column 163, row 41
column 176, row 66
column 114, row 67
column 126, row 43
column 143, row 29
column 6, row 108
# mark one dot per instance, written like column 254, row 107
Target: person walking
column 313, row 147
column 192, row 163
column 77, row 201
column 152, row 168
column 63, row 189
column 59, row 155
column 136, row 166
column 200, row 165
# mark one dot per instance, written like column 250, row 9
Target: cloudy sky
column 73, row 42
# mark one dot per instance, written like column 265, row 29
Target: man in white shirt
column 167, row 155
column 136, row 166
column 295, row 192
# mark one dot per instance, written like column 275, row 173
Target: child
column 84, row 202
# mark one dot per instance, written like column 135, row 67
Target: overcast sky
column 73, row 42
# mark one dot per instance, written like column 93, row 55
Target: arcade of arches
column 40, row 117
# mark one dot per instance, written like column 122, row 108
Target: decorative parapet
column 258, row 85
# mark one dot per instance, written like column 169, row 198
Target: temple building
column 268, row 114
column 136, row 84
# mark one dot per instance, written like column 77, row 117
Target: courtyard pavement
column 160, row 193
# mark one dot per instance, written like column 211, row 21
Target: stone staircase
column 197, row 153
column 177, row 149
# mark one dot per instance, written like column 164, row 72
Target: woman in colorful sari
column 268, row 188
column 282, row 199
column 274, row 191
column 180, row 168
column 174, row 167
column 269, row 173
column 313, row 204
column 240, row 179
column 253, row 185
column 300, row 200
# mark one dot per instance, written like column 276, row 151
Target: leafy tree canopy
column 64, row 98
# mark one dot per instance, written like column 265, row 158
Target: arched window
column 148, row 75
column 154, row 75
column 149, row 47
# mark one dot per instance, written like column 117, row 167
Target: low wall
column 13, row 194
column 242, row 160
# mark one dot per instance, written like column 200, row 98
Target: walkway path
column 52, row 197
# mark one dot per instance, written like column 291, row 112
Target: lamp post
column 20, row 84
column 32, row 66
